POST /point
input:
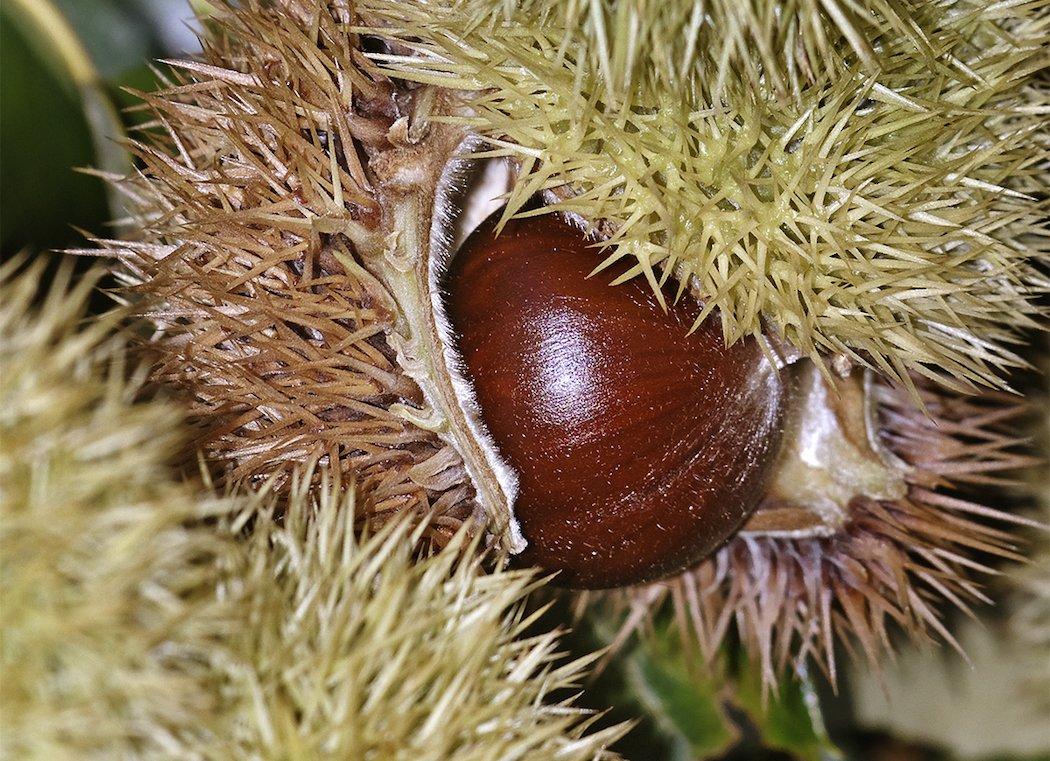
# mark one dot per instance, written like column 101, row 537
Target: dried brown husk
column 255, row 208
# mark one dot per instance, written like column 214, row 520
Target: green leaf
column 678, row 707
column 682, row 700
column 686, row 710
column 788, row 718
column 55, row 114
column 114, row 34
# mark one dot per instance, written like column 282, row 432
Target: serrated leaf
column 787, row 719
column 683, row 702
column 677, row 706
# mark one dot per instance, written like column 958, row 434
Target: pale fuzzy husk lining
column 451, row 200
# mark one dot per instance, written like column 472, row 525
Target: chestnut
column 639, row 447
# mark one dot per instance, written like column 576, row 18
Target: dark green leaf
column 682, row 700
column 677, row 706
column 45, row 134
column 787, row 719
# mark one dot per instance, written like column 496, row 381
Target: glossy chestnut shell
column 639, row 447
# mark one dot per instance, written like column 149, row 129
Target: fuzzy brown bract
column 254, row 209
column 867, row 188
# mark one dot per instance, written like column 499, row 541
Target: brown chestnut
column 639, row 447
